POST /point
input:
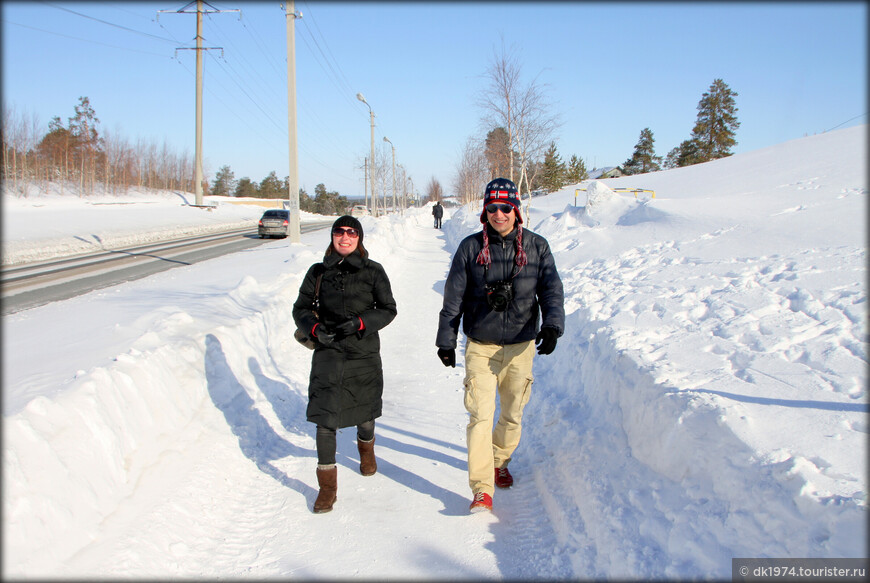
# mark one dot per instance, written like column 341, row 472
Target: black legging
column 325, row 439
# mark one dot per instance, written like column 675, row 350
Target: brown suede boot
column 368, row 465
column 328, row 481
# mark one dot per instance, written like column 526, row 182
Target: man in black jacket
column 437, row 212
column 501, row 280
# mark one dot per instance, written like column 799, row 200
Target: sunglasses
column 504, row 208
column 339, row 231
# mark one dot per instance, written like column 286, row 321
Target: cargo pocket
column 469, row 397
column 527, row 392
column 479, row 402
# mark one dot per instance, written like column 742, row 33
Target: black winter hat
column 349, row 221
column 501, row 190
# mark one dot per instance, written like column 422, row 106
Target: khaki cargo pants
column 492, row 369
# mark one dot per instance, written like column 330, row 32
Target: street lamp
column 372, row 163
column 394, row 171
column 403, row 200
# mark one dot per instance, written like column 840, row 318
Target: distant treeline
column 79, row 155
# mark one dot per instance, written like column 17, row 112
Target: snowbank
column 707, row 401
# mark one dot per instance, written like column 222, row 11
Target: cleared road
column 34, row 284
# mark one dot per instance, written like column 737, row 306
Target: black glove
column 348, row 327
column 546, row 340
column 447, row 356
column 323, row 335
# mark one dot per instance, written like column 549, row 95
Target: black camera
column 499, row 295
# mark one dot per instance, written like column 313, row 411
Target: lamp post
column 394, row 171
column 372, row 160
column 413, row 196
column 404, row 182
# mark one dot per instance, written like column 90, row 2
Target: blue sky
column 610, row 69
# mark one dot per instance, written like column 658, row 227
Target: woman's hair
column 359, row 249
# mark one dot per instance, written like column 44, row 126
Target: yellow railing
column 634, row 190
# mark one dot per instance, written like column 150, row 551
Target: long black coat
column 347, row 382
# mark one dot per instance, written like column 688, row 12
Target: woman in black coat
column 347, row 381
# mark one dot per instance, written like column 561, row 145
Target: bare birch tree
column 434, row 191
column 522, row 110
column 537, row 124
column 472, row 174
column 498, row 99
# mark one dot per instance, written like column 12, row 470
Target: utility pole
column 372, row 181
column 293, row 180
column 394, row 172
column 198, row 178
column 404, row 193
column 366, row 179
column 372, row 161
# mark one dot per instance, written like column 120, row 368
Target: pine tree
column 576, row 170
column 55, row 147
column 328, row 202
column 644, row 158
column 554, row 170
column 306, row 203
column 245, row 188
column 716, row 124
column 671, row 158
column 689, row 153
column 224, row 182
column 87, row 144
column 270, row 187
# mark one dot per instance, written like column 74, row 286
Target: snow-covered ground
column 707, row 401
column 47, row 225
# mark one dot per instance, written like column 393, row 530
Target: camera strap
column 515, row 272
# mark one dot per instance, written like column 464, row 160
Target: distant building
column 606, row 172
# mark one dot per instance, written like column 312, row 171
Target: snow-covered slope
column 707, row 401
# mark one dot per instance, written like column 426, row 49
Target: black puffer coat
column 347, row 382
column 537, row 291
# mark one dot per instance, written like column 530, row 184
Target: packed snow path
column 707, row 401
column 231, row 495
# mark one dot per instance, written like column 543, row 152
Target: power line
column 230, row 73
column 266, row 54
column 340, row 71
column 84, row 39
column 847, row 121
column 109, row 23
column 247, row 68
column 237, row 78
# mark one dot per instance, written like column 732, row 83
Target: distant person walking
column 501, row 279
column 346, row 384
column 437, row 212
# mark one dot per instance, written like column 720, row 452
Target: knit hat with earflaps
column 502, row 190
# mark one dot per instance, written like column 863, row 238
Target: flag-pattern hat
column 501, row 190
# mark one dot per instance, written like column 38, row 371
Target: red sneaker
column 482, row 501
column 503, row 478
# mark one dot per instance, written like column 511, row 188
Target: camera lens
column 499, row 295
column 499, row 302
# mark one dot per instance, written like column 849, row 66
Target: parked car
column 359, row 210
column 274, row 222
